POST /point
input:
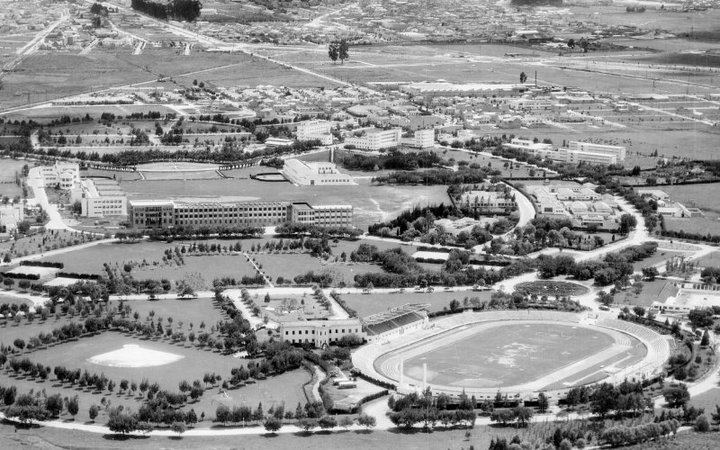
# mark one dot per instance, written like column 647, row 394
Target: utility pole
column 536, row 78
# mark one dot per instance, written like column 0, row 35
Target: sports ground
column 514, row 352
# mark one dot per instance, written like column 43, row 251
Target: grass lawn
column 193, row 364
column 193, row 311
column 9, row 167
column 290, row 265
column 659, row 257
column 452, row 439
column 652, row 291
column 483, row 358
column 91, row 259
column 710, row 224
column 202, row 270
column 367, row 304
column 713, row 259
column 42, row 242
column 286, row 388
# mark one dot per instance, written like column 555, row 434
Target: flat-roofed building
column 62, row 174
column 424, row 139
column 588, row 147
column 320, row 333
column 231, row 214
column 333, row 215
column 100, row 198
column 374, row 138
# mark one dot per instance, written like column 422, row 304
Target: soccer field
column 507, row 355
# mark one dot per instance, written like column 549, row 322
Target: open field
column 49, row 75
column 191, row 366
column 367, row 304
column 273, row 391
column 695, row 195
column 659, row 257
column 202, row 270
column 713, row 259
column 699, row 143
column 9, row 167
column 372, row 203
column 652, row 291
column 91, row 259
column 290, row 265
column 190, row 311
column 507, row 355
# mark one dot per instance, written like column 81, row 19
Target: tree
column 333, row 51
column 650, row 273
column 307, row 423
column 73, row 406
column 327, row 422
column 702, row 425
column 628, row 222
column 701, row 317
column 93, row 412
column 346, row 422
column 23, row 227
column 369, row 421
column 543, row 402
column 343, row 51
column 571, row 43
column 122, row 423
column 19, row 343
column 178, row 427
column 54, row 405
column 705, row 340
column 272, row 424
column 523, row 77
column 639, row 311
column 676, row 396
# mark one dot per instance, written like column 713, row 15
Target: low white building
column 100, row 198
column 319, row 333
column 374, row 138
column 64, row 175
column 315, row 173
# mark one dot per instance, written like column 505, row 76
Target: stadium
column 518, row 353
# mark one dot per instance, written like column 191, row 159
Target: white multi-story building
column 574, row 155
column 310, row 130
column 314, row 173
column 63, row 174
column 320, row 333
column 424, row 138
column 374, row 138
column 100, row 198
column 588, row 147
column 582, row 156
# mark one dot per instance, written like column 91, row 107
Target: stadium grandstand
column 395, row 321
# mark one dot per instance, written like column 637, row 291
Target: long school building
column 169, row 214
